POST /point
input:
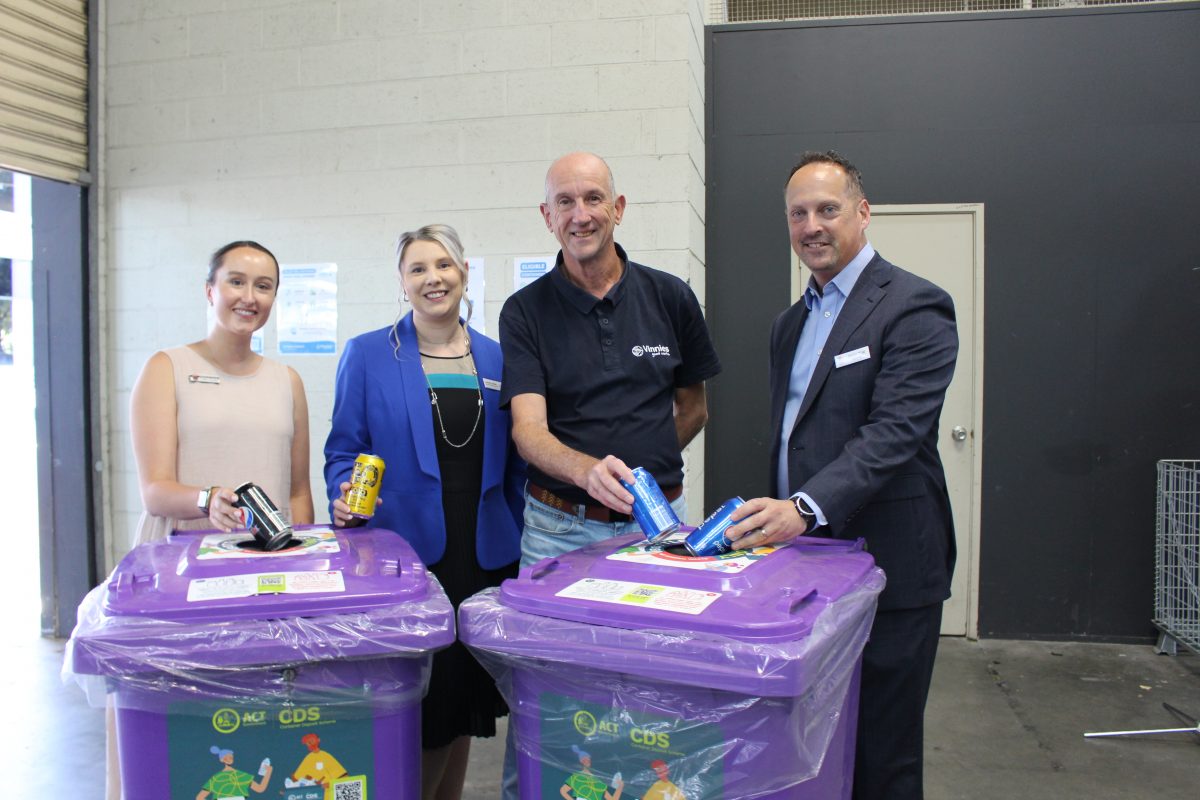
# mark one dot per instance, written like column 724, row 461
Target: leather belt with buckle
column 597, row 513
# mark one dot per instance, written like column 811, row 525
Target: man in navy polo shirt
column 604, row 369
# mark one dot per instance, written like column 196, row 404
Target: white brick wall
column 323, row 128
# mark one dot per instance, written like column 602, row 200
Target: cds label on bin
column 232, row 749
column 642, row 750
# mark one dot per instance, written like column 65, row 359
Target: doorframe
column 62, row 376
column 799, row 279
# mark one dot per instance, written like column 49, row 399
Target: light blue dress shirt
column 823, row 309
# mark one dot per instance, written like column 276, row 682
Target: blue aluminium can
column 653, row 513
column 709, row 539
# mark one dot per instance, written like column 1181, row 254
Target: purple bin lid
column 199, row 598
column 767, row 595
column 207, row 575
column 773, row 622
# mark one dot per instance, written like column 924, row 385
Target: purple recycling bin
column 632, row 665
column 295, row 674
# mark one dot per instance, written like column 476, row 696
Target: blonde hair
column 445, row 236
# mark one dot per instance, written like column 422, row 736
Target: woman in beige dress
column 213, row 414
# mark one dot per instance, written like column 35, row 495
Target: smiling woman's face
column 243, row 290
column 433, row 282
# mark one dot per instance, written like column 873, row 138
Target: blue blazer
column 381, row 406
column 864, row 445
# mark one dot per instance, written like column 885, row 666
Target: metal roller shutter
column 44, row 88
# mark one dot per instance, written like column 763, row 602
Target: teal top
column 447, row 380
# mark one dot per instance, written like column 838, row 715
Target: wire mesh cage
column 1177, row 556
column 732, row 11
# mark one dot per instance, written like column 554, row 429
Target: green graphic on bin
column 293, row 752
column 651, row 756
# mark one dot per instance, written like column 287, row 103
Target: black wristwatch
column 806, row 513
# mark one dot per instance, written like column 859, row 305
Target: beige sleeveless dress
column 232, row 429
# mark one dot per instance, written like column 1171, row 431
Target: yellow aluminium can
column 364, row 485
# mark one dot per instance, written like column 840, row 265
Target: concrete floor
column 1005, row 720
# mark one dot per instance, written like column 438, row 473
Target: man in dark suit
column 859, row 370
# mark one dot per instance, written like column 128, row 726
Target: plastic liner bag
column 716, row 716
column 154, row 648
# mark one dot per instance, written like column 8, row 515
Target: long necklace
column 437, row 409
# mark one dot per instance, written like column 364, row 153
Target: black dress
column 462, row 698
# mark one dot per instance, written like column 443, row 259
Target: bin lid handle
column 543, row 568
column 791, row 601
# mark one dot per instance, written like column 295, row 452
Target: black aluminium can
column 261, row 517
column 651, row 510
column 709, row 539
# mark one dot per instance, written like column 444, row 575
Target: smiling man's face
column 580, row 209
column 827, row 220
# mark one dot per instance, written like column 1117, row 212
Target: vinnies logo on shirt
column 652, row 350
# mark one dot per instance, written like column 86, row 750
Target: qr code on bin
column 350, row 788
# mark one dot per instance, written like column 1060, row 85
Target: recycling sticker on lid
column 644, row 595
column 249, row 585
column 663, row 554
column 306, row 542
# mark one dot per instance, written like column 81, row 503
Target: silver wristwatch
column 806, row 513
column 205, row 499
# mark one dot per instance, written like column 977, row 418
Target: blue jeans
column 550, row 532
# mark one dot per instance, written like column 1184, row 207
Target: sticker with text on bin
column 666, row 553
column 644, row 595
column 228, row 586
column 312, row 541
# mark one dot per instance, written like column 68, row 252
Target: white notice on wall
column 527, row 269
column 306, row 309
column 477, row 292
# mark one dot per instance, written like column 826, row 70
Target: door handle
column 958, row 433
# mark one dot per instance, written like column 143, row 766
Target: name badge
column 852, row 357
column 488, row 383
column 213, row 379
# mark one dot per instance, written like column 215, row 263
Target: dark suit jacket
column 381, row 406
column 864, row 446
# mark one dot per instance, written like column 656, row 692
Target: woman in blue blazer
column 423, row 395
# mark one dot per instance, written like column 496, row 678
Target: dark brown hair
column 853, row 176
column 218, row 258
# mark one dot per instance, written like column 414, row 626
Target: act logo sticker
column 226, row 720
column 585, row 723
